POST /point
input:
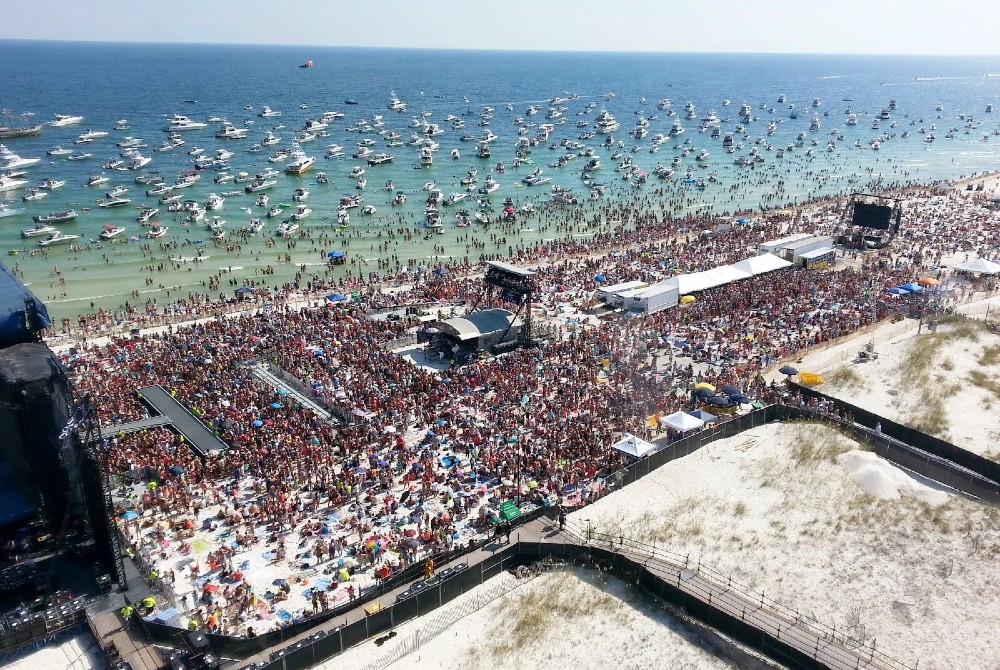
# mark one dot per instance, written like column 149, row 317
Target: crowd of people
column 300, row 513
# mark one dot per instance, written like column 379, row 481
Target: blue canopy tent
column 704, row 416
column 336, row 297
column 912, row 287
column 898, row 290
column 337, row 257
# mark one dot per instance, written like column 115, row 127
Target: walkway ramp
column 197, row 434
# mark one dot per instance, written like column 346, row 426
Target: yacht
column 814, row 124
column 111, row 232
column 39, row 229
column 113, row 202
column 267, row 112
column 92, row 135
column 395, row 104
column 8, row 183
column 269, row 139
column 59, row 151
column 63, row 120
column 255, row 226
column 300, row 164
column 483, row 150
column 214, row 202
column 10, row 160
column 230, row 132
column 427, row 156
column 58, row 238
column 852, row 119
column 181, row 122
column 676, row 129
column 606, row 123
column 380, row 158
column 274, row 211
column 117, row 191
column 262, row 200
column 710, row 120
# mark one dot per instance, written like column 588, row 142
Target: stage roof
column 477, row 324
column 513, row 269
column 13, row 296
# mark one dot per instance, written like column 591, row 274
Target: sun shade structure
column 682, row 422
column 633, row 446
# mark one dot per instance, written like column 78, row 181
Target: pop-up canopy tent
column 682, row 422
column 980, row 266
column 633, row 446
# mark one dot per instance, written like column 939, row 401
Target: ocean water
column 148, row 83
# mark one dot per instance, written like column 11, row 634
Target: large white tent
column 758, row 265
column 981, row 266
column 682, row 421
column 634, row 446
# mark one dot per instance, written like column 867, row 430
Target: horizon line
column 502, row 50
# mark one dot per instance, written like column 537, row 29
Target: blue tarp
column 15, row 298
column 336, row 254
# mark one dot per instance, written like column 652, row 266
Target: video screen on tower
column 872, row 216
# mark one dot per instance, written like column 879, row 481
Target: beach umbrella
column 282, row 392
column 442, row 271
column 257, row 423
column 601, row 278
column 788, row 370
column 743, row 220
column 130, row 515
column 704, row 385
column 275, row 405
column 719, row 401
column 687, row 299
column 729, row 389
column 703, row 393
column 740, row 399
column 389, row 429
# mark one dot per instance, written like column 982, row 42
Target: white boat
column 214, row 202
column 157, row 231
column 395, row 104
column 286, row 228
column 97, row 180
column 146, row 214
column 181, row 122
column 456, row 197
column 63, row 120
column 6, row 210
column 267, row 112
column 111, row 232
column 58, row 238
column 117, row 191
column 10, row 160
column 39, row 229
column 255, row 226
column 361, row 183
column 262, row 200
column 302, row 163
column 230, row 132
column 490, row 185
column 269, row 139
column 33, row 194
column 710, row 120
column 260, row 185
column 301, row 212
column 92, row 135
column 79, row 157
column 113, row 202
column 455, row 154
column 368, row 210
column 274, row 211
column 58, row 150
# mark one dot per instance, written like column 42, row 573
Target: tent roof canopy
column 634, row 446
column 682, row 421
column 980, row 265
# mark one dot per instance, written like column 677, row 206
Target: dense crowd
column 429, row 454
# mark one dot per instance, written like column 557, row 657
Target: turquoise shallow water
column 146, row 84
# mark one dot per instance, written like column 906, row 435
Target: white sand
column 548, row 622
column 880, row 386
column 78, row 653
column 842, row 536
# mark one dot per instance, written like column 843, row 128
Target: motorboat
column 266, row 112
column 117, row 191
column 490, row 185
column 146, row 214
column 110, row 232
column 255, row 226
column 39, row 229
column 380, row 158
column 58, row 150
column 180, row 122
column 92, row 135
column 427, row 156
column 58, row 238
column 368, row 210
column 230, row 132
column 361, row 183
column 157, row 231
column 395, row 104
column 286, row 228
column 274, row 211
column 456, row 197
column 10, row 160
column 483, row 149
column 34, row 194
column 301, row 164
column 269, row 139
column 215, row 224
column 710, row 120
column 113, row 202
column 63, row 120
column 262, row 200
column 214, row 202
column 56, row 217
column 300, row 194
column 79, row 157
column 97, row 180
column 6, row 210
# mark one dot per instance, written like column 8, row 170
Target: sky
column 771, row 26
